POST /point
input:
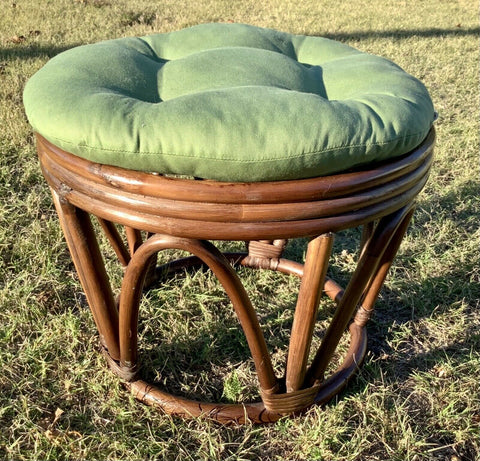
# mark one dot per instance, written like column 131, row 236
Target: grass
column 417, row 396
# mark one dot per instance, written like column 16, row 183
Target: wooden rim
column 228, row 193
column 236, row 211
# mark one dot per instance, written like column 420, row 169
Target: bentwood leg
column 313, row 280
column 365, row 309
column 83, row 246
column 116, row 241
column 132, row 289
column 369, row 275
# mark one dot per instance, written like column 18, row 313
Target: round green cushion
column 228, row 102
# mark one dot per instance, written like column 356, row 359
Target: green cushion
column 229, row 102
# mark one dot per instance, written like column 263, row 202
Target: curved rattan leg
column 313, row 280
column 134, row 239
column 88, row 261
column 115, row 240
column 294, row 398
column 365, row 309
column 132, row 289
column 375, row 259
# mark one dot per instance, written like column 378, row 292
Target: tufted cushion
column 228, row 102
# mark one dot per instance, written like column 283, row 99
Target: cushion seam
column 202, row 157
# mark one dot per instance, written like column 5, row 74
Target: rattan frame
column 189, row 214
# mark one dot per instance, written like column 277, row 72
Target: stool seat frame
column 189, row 214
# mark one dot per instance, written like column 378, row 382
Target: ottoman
column 229, row 132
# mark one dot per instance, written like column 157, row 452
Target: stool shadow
column 220, row 346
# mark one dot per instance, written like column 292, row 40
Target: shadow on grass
column 402, row 33
column 217, row 346
column 33, row 50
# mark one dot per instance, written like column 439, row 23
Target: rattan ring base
column 189, row 214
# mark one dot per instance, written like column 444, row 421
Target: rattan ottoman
column 229, row 132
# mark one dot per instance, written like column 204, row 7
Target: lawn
column 417, row 396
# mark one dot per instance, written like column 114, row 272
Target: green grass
column 417, row 396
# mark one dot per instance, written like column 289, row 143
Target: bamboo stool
column 377, row 194
column 183, row 214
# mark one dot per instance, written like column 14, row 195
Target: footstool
column 229, row 132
